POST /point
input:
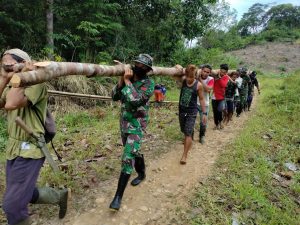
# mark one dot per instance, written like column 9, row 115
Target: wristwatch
column 204, row 113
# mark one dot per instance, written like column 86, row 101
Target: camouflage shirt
column 135, row 105
column 230, row 90
column 245, row 85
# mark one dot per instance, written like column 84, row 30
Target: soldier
column 134, row 90
column 230, row 92
column 254, row 82
column 24, row 158
column 243, row 91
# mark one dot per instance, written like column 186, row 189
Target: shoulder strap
column 56, row 153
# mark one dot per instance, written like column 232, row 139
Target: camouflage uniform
column 134, row 117
column 244, row 90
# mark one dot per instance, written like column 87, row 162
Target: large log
column 46, row 71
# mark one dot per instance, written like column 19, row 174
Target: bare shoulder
column 199, row 86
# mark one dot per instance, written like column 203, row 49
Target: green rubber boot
column 52, row 196
column 27, row 221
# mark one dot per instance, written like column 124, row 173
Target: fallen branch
column 70, row 94
column 96, row 97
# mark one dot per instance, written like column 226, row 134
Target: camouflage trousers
column 132, row 146
column 243, row 100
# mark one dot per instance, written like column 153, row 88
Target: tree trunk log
column 46, row 71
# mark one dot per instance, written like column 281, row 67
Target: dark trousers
column 21, row 178
column 218, row 107
column 249, row 100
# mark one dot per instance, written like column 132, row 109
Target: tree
column 49, row 16
column 253, row 20
column 22, row 25
column 196, row 17
column 223, row 18
column 284, row 15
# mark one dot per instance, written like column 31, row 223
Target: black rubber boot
column 116, row 202
column 140, row 169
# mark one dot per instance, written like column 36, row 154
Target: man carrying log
column 218, row 98
column 208, row 83
column 24, row 157
column 254, row 82
column 243, row 91
column 134, row 89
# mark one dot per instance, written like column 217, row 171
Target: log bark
column 46, row 71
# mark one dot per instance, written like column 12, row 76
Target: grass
column 89, row 142
column 243, row 188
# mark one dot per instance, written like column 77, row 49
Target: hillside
column 272, row 57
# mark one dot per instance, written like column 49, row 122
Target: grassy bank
column 252, row 183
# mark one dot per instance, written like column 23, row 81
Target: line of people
column 134, row 89
column 229, row 92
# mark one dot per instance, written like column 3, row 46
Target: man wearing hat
column 134, row 89
column 254, row 82
column 243, row 91
column 24, row 158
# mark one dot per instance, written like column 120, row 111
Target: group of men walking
column 229, row 93
column 134, row 89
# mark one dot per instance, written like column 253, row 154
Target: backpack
column 50, row 129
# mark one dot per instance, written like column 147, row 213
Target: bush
column 3, row 133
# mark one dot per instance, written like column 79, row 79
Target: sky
column 242, row 6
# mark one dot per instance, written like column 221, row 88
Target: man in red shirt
column 218, row 98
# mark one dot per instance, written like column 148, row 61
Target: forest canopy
column 98, row 31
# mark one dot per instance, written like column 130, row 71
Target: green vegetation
column 100, row 31
column 243, row 186
column 259, row 25
column 89, row 142
column 3, row 132
column 251, row 183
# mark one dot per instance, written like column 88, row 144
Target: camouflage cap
column 242, row 70
column 144, row 59
column 19, row 53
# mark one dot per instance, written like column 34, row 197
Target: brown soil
column 270, row 57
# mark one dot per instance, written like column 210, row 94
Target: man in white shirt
column 208, row 84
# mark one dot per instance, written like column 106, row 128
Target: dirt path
column 167, row 186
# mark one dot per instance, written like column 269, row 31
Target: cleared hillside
column 270, row 57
